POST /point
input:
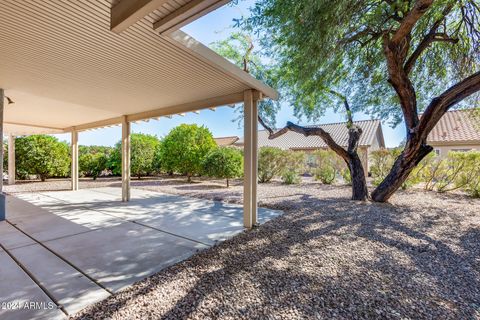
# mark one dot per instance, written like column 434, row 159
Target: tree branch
column 313, row 131
column 431, row 37
column 407, row 24
column 265, row 126
column 441, row 104
column 399, row 80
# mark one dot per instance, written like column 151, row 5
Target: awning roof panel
column 63, row 66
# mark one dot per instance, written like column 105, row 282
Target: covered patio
column 68, row 67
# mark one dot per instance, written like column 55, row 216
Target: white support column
column 250, row 160
column 2, row 195
column 125, row 159
column 74, row 168
column 11, row 159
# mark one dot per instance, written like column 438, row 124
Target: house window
column 437, row 152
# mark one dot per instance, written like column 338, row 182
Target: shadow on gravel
column 332, row 258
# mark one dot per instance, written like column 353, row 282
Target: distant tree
column 224, row 162
column 42, row 155
column 142, row 155
column 92, row 164
column 395, row 59
column 184, row 149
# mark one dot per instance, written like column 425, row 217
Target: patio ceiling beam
column 188, row 107
column 164, row 112
column 128, row 12
column 33, row 126
column 186, row 14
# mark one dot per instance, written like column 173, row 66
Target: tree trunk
column 228, row 183
column 359, row 183
column 404, row 164
column 189, row 178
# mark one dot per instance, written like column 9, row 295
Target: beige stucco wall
column 444, row 149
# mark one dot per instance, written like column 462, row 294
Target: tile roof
column 226, row 141
column 455, row 126
column 339, row 132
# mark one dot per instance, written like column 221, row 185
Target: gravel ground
column 327, row 257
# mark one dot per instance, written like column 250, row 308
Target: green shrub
column 294, row 164
column 469, row 178
column 142, row 155
column 184, row 149
column 291, row 177
column 42, row 155
column 328, row 166
column 92, row 164
column 382, row 161
column 326, row 174
column 347, row 177
column 271, row 163
column 225, row 163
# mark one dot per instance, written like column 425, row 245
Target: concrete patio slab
column 121, row 255
column 67, row 286
column 12, row 238
column 93, row 240
column 17, row 291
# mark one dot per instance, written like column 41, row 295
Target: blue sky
column 213, row 27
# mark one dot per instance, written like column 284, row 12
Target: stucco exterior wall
column 442, row 150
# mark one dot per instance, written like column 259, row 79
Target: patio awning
column 67, row 66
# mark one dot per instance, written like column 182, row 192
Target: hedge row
column 187, row 149
column 458, row 170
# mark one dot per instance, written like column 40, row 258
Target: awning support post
column 74, row 168
column 11, row 159
column 2, row 195
column 125, row 159
column 250, row 179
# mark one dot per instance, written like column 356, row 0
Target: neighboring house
column 226, row 141
column 456, row 131
column 370, row 140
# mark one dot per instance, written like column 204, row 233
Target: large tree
column 398, row 59
column 239, row 48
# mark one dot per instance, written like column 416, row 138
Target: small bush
column 326, row 174
column 382, row 162
column 347, row 177
column 271, row 163
column 291, row 177
column 225, row 163
column 294, row 164
column 328, row 166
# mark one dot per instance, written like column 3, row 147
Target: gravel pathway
column 327, row 257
